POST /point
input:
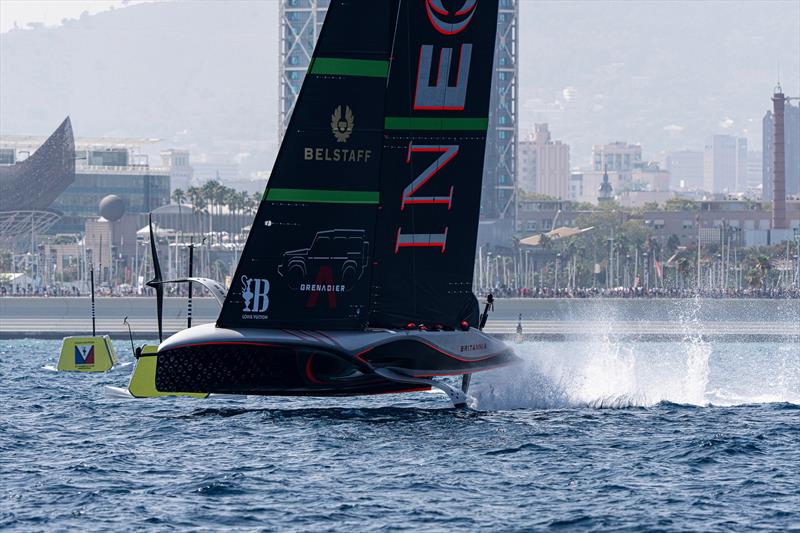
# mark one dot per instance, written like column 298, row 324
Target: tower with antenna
column 605, row 192
column 779, row 100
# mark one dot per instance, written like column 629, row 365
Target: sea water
column 589, row 435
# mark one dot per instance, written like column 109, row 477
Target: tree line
column 213, row 198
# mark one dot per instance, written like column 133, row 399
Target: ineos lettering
column 438, row 97
column 448, row 153
column 442, row 97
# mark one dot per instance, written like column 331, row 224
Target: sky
column 51, row 12
column 666, row 75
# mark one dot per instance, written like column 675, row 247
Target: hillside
column 204, row 74
column 193, row 70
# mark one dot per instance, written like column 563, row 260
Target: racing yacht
column 356, row 277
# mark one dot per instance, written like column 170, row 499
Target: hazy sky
column 665, row 74
column 51, row 12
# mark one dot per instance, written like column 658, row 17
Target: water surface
column 583, row 435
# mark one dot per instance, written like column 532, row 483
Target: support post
column 91, row 277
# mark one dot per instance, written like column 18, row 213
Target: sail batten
column 437, row 123
column 322, row 196
column 338, row 66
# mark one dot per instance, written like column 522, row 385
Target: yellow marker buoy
column 87, row 354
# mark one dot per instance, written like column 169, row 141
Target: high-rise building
column 755, row 162
column 120, row 172
column 791, row 132
column 725, row 165
column 617, row 156
column 180, row 171
column 300, row 24
column 648, row 176
column 543, row 164
column 685, row 168
column 619, row 160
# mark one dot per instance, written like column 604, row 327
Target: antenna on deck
column 191, row 268
column 488, row 307
column 130, row 335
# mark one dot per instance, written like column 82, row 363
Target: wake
column 612, row 373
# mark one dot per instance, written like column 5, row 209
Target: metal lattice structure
column 500, row 176
column 33, row 184
column 300, row 24
column 24, row 224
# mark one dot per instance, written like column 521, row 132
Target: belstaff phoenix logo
column 342, row 124
column 342, row 127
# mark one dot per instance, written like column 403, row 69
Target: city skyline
column 653, row 91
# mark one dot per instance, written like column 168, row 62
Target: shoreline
column 552, row 319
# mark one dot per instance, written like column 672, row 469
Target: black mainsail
column 307, row 260
column 437, row 109
column 370, row 215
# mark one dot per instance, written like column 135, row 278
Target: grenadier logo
column 342, row 128
column 84, row 354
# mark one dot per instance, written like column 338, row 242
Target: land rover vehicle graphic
column 342, row 252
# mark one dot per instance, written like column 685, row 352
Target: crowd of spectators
column 792, row 292
column 71, row 290
column 640, row 292
column 17, row 290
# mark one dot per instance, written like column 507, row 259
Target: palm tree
column 209, row 190
column 238, row 200
column 230, row 199
column 684, row 267
column 179, row 196
column 202, row 207
column 545, row 241
column 763, row 266
column 753, row 278
column 251, row 203
column 194, row 194
column 244, row 206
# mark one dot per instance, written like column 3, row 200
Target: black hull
column 319, row 367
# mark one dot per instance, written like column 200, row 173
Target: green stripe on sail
column 321, row 196
column 370, row 68
column 435, row 123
